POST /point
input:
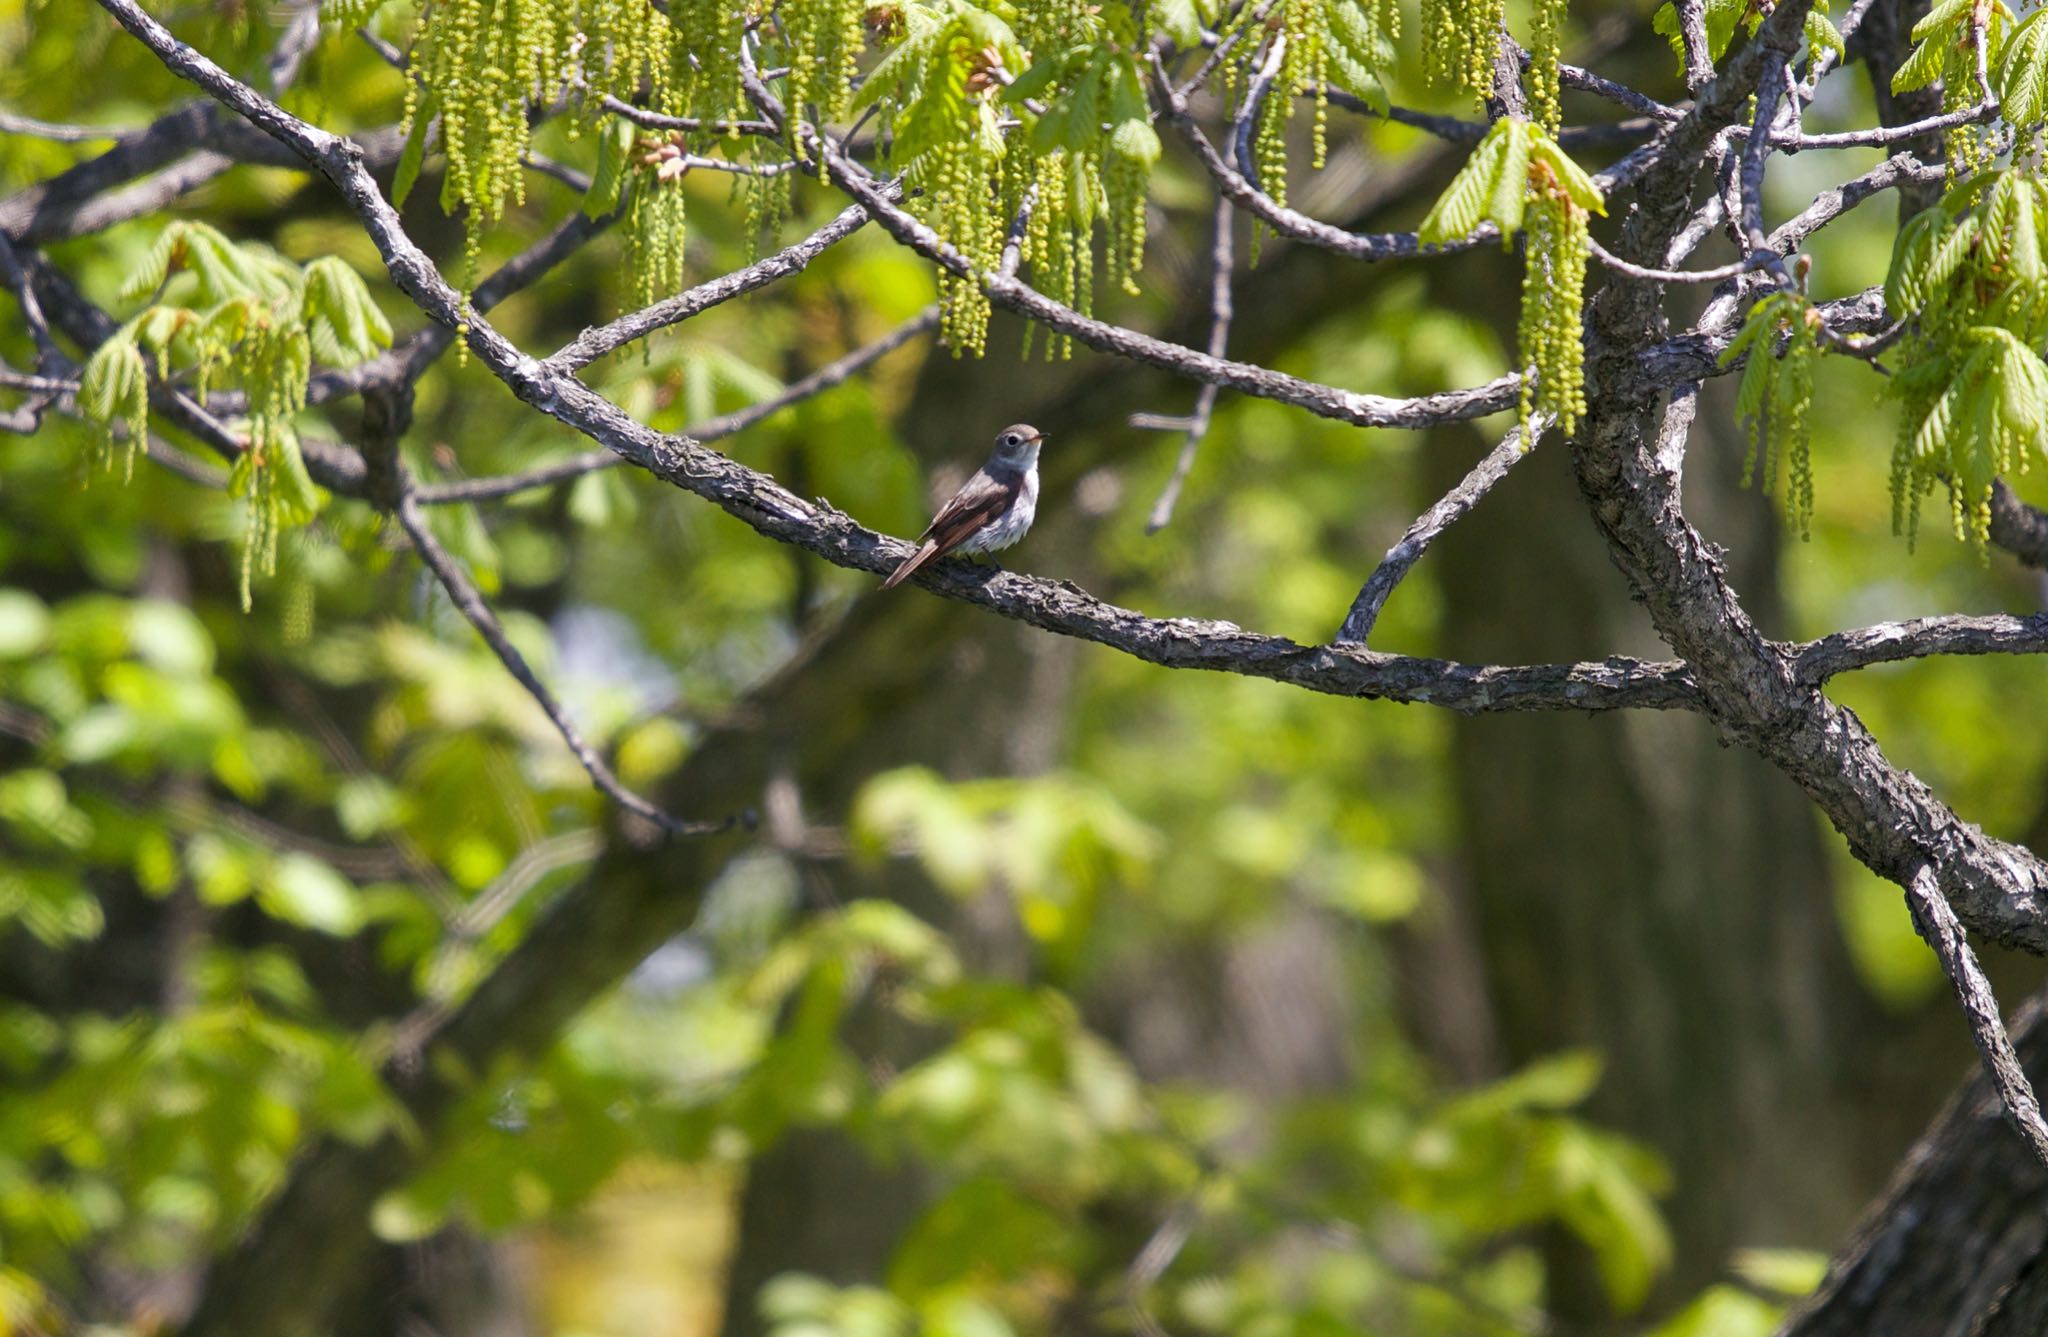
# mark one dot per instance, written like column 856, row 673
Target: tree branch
column 1936, row 922
column 2018, row 528
column 463, row 592
column 824, row 378
column 595, row 343
column 1221, row 258
column 1372, row 597
column 1917, row 638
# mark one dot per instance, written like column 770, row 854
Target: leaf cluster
column 1971, row 278
column 236, row 314
column 1780, row 339
column 1520, row 181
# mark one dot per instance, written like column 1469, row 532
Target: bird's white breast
column 1011, row 525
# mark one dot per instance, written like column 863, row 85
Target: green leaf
column 298, row 499
column 24, row 623
column 1463, row 205
column 1511, row 180
column 168, row 636
column 108, row 383
column 1722, row 18
column 1823, row 35
column 413, row 153
column 1136, row 140
column 303, row 890
column 1923, row 67
column 1575, row 180
column 614, row 149
column 1179, row 20
column 2023, row 73
column 1792, row 1273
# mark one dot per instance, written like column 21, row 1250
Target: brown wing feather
column 979, row 500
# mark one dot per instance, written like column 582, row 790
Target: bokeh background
column 1059, row 992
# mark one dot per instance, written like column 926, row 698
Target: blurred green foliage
column 241, row 850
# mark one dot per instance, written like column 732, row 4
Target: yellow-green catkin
column 656, row 226
column 1305, row 68
column 1551, row 333
column 1124, row 181
column 769, row 201
column 704, row 74
column 1971, row 148
column 1459, row 41
column 1051, row 240
column 957, row 176
column 481, row 64
column 1546, row 46
column 822, row 42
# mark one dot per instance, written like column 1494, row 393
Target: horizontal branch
column 14, row 123
column 1917, row 638
column 654, row 120
column 1457, row 130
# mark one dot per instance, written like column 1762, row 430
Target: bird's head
column 1017, row 445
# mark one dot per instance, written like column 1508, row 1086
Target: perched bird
column 990, row 511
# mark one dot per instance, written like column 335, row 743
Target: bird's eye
column 1011, row 438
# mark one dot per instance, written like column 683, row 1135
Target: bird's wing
column 980, row 499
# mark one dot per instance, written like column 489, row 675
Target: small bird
column 990, row 511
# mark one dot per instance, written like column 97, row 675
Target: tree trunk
column 1638, row 887
column 1959, row 1241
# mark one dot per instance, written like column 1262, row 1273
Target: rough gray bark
column 1958, row 1242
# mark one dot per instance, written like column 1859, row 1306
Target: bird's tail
column 925, row 553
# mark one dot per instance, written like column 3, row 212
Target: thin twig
column 1154, row 1258
column 595, row 343
column 1452, row 507
column 1620, row 94
column 824, row 378
column 1770, row 91
column 1288, row 222
column 1217, row 56
column 1715, row 275
column 1456, row 130
column 49, row 357
column 14, row 123
column 466, row 597
column 654, row 120
column 1937, row 923
column 1241, row 125
column 1221, row 259
column 1880, row 136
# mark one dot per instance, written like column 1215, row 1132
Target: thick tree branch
column 1627, row 457
column 2018, row 528
column 1954, row 1244
column 1917, row 638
